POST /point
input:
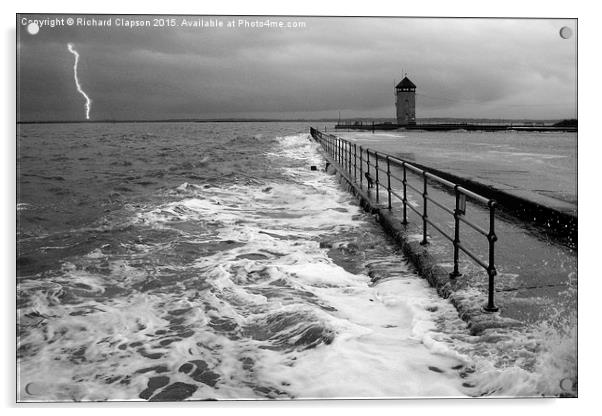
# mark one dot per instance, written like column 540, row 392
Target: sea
column 219, row 261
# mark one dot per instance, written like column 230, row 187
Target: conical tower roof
column 406, row 83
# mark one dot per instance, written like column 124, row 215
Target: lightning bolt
column 77, row 84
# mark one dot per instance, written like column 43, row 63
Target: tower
column 405, row 102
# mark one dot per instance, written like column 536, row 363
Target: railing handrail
column 400, row 162
column 341, row 151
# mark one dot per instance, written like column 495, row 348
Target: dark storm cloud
column 470, row 68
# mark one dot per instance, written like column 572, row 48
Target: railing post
column 354, row 162
column 361, row 167
column 424, row 210
column 405, row 194
column 491, row 271
column 332, row 147
column 344, row 159
column 368, row 167
column 349, row 149
column 456, row 273
column 376, row 179
column 335, row 149
column 389, row 182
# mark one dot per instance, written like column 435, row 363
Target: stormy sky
column 474, row 68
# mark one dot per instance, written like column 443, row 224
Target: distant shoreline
column 174, row 121
column 271, row 120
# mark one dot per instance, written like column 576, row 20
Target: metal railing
column 349, row 156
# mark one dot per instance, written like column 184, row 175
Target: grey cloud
column 484, row 68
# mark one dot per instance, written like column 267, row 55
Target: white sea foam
column 23, row 206
column 270, row 314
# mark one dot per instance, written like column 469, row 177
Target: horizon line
column 251, row 120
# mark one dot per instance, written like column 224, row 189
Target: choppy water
column 207, row 261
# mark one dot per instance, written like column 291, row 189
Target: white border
column 590, row 139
